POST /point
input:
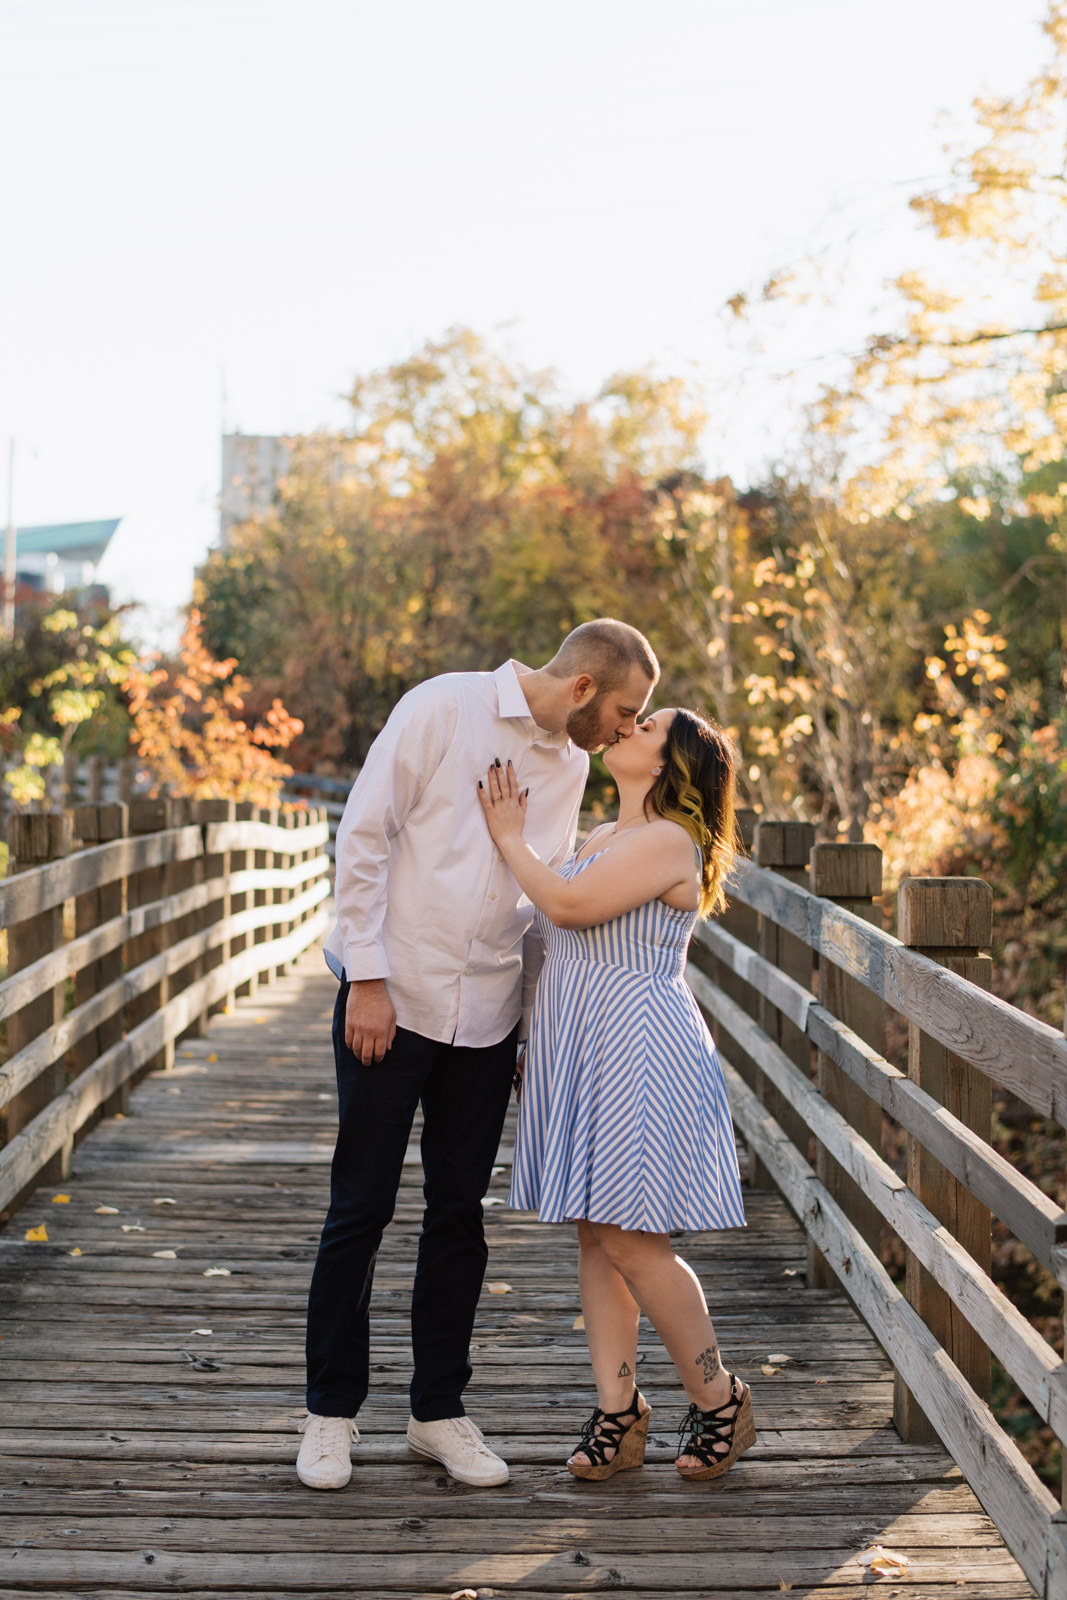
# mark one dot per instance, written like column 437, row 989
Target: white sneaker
column 325, row 1459
column 460, row 1448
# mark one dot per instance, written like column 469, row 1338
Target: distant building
column 252, row 464
column 53, row 558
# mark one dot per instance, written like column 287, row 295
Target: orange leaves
column 187, row 727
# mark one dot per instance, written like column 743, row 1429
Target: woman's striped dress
column 623, row 1116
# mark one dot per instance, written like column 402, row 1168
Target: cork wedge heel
column 715, row 1438
column 607, row 1431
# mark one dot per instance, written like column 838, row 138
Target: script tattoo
column 625, row 1371
column 709, row 1360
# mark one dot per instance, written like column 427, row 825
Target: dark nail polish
column 496, row 763
column 479, row 783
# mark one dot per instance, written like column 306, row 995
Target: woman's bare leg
column 611, row 1316
column 667, row 1290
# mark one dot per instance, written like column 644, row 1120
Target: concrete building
column 252, row 464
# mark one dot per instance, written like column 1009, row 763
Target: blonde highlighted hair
column 698, row 789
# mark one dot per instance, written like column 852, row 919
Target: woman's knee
column 627, row 1250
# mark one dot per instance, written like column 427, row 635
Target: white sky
column 291, row 191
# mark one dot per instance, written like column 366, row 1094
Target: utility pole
column 9, row 547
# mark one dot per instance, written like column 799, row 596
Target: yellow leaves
column 106, row 1211
column 579, row 1322
column 217, row 1272
column 213, row 1057
column 165, row 1255
column 74, row 1252
column 38, row 1235
column 499, row 1288
column 132, row 1227
column 61, row 1199
column 164, row 1200
column 884, row 1563
column 59, row 621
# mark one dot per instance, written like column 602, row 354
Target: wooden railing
column 126, row 925
column 796, row 980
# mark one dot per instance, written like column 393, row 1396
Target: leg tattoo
column 709, row 1360
column 625, row 1371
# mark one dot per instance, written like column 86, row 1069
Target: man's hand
column 520, row 1068
column 370, row 1020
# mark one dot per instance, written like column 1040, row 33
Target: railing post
column 264, row 860
column 96, row 766
column 142, row 888
column 126, row 773
column 98, row 825
column 34, row 838
column 286, row 820
column 851, row 876
column 217, row 866
column 242, row 861
column 951, row 921
column 784, row 847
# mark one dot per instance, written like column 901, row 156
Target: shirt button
column 492, row 897
column 466, row 972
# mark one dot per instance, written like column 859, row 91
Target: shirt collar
column 511, row 702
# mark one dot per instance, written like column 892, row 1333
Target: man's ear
column 583, row 689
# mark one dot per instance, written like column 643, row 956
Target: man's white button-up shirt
column 424, row 898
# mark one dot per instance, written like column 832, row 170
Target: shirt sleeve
column 399, row 765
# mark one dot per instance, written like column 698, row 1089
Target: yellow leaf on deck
column 74, row 1252
column 132, row 1227
column 61, row 1199
column 769, row 1371
column 216, row 1272
column 463, row 1594
column 163, row 1201
column 499, row 1288
column 120, row 1116
column 205, row 1333
column 165, row 1255
column 780, row 1359
column 107, row 1211
column 886, row 1563
column 213, row 1056
column 579, row 1322
column 37, row 1235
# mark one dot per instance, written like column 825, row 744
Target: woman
column 624, row 1124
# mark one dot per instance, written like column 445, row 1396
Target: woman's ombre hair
column 698, row 788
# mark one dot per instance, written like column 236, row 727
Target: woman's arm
column 641, row 867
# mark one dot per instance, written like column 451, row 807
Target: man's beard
column 583, row 725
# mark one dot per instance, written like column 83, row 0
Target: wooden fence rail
column 795, row 985
column 180, row 907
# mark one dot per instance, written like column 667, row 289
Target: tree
column 60, row 681
column 187, row 727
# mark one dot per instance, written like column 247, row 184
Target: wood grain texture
column 139, row 1457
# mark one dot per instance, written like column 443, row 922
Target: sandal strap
column 604, row 1431
column 708, row 1431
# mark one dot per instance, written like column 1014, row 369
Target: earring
column 656, row 771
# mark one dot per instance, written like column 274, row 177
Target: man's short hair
column 607, row 650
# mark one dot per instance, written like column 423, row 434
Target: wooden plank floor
column 147, row 1431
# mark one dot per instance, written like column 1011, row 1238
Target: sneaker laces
column 474, row 1434
column 329, row 1435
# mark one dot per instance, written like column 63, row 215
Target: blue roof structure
column 74, row 541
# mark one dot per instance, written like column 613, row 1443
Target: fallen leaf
column 783, row 1585
column 163, row 1201
column 780, row 1359
column 205, row 1333
column 769, row 1371
column 74, row 1252
column 120, row 1116
column 886, row 1563
column 491, row 1200
column 216, row 1272
column 37, row 1235
column 132, row 1227
column 107, row 1211
column 791, row 1272
column 213, row 1056
column 61, row 1199
column 464, row 1594
column 259, row 1019
column 579, row 1322
column 187, row 1054
column 165, row 1255
column 822, row 1380
column 499, row 1288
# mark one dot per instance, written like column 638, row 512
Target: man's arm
column 398, row 767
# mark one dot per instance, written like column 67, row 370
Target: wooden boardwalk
column 152, row 1377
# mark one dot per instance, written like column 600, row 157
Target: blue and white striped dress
column 623, row 1116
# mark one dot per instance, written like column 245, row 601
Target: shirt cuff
column 364, row 962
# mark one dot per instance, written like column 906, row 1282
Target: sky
column 214, row 213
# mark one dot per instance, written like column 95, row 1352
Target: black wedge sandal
column 715, row 1438
column 606, row 1430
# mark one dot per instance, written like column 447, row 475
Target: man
column 428, row 947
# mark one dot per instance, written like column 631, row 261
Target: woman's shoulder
column 666, row 834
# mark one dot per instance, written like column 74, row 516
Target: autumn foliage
column 188, row 727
